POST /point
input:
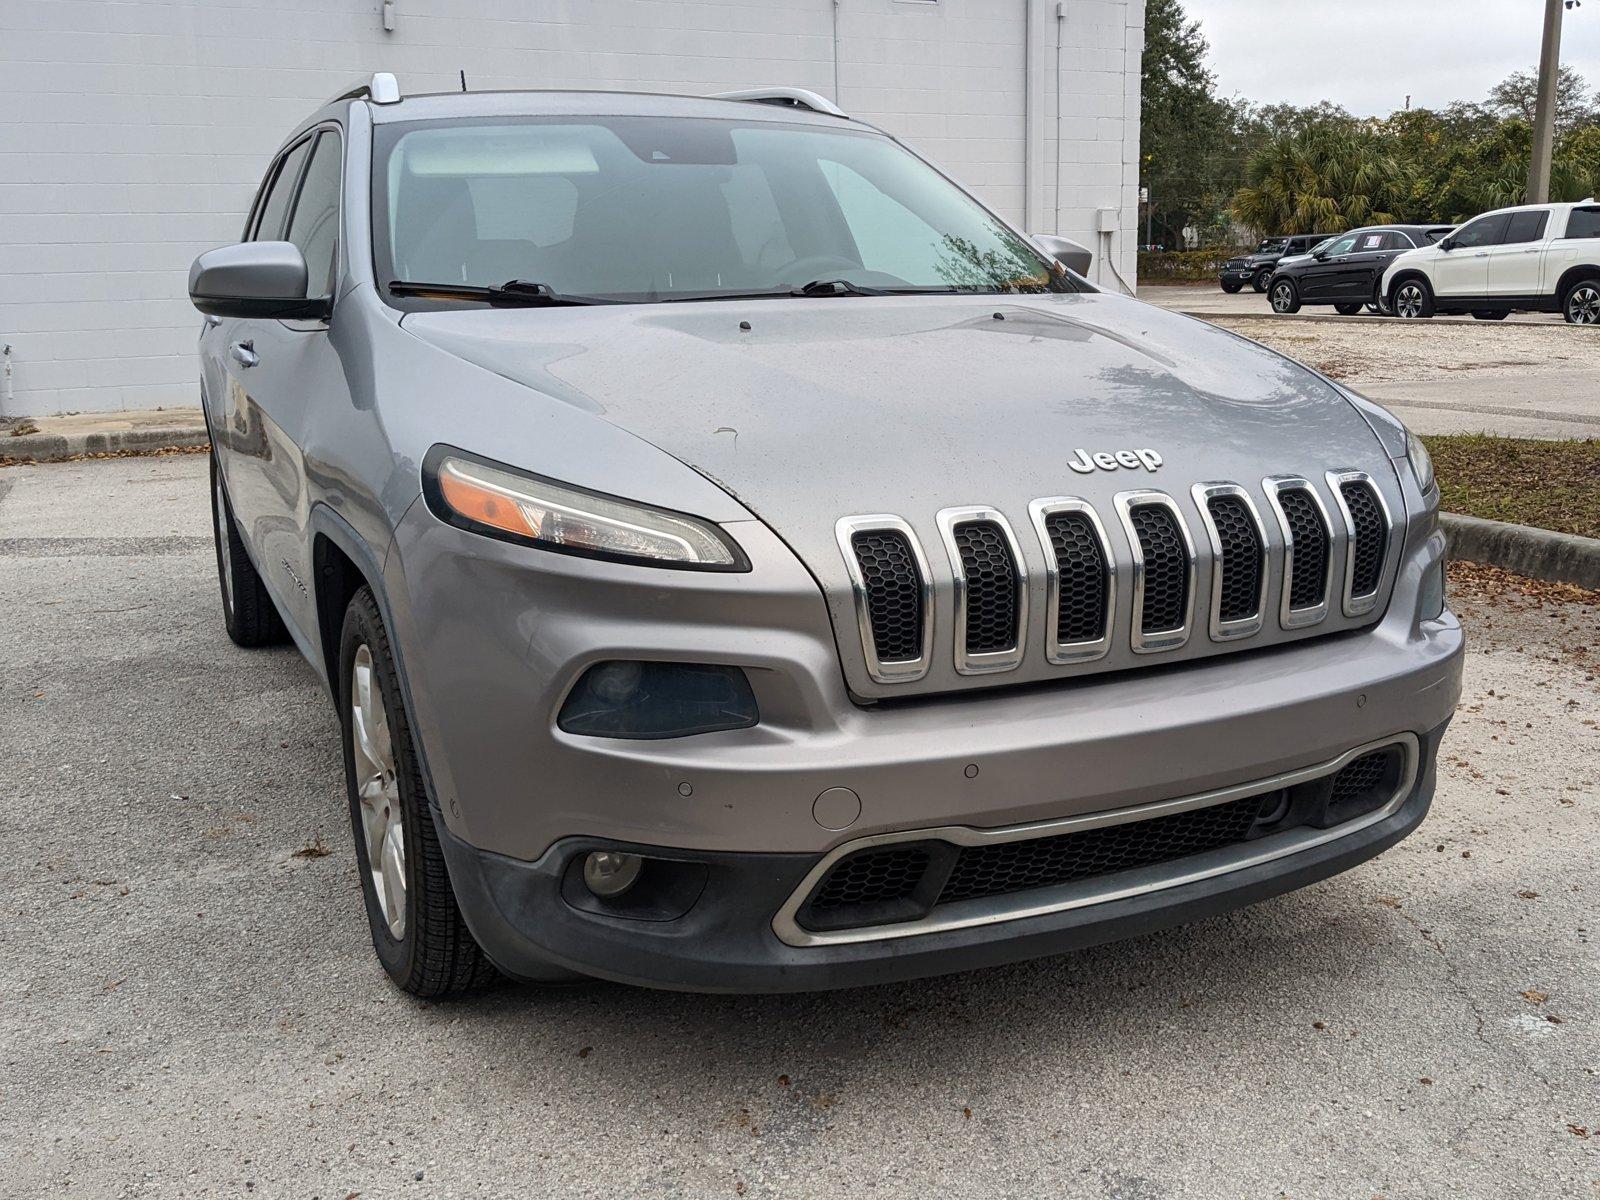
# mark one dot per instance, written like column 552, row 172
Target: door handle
column 244, row 353
column 1481, row 254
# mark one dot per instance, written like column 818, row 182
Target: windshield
column 649, row 208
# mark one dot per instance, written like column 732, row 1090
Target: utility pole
column 1544, row 119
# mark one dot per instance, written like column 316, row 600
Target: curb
column 1536, row 553
column 1333, row 318
column 53, row 447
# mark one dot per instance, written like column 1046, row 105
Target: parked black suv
column 1256, row 268
column 1346, row 269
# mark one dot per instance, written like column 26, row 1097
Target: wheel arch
column 343, row 562
column 1407, row 276
column 1572, row 275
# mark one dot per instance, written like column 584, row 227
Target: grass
column 1549, row 484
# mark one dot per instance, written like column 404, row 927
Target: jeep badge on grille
column 1107, row 460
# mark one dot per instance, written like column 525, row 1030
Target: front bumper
column 725, row 941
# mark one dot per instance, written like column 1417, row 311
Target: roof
column 444, row 105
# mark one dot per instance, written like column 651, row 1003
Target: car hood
column 824, row 408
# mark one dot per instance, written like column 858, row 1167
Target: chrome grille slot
column 990, row 593
column 1163, row 570
column 1307, row 550
column 1366, row 522
column 893, row 595
column 1238, row 559
column 1082, row 578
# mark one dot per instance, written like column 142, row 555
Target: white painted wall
column 133, row 135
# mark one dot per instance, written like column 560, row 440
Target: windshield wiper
column 519, row 292
column 835, row 287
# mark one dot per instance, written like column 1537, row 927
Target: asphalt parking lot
column 189, row 1006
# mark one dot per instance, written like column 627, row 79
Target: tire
column 1349, row 310
column 417, row 929
column 1581, row 304
column 1490, row 314
column 1375, row 307
column 1285, row 296
column 1412, row 299
column 1262, row 278
column 1231, row 288
column 248, row 613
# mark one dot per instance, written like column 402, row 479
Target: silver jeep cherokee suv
column 741, row 561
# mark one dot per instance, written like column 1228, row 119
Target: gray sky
column 1367, row 54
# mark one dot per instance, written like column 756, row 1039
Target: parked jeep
column 1532, row 258
column 1256, row 268
column 740, row 560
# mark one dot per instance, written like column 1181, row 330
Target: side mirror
column 1448, row 244
column 1066, row 252
column 1320, row 256
column 254, row 279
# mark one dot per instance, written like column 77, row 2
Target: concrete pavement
column 189, row 1006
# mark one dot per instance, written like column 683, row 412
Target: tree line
column 1213, row 164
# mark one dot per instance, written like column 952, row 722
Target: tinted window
column 1525, row 227
column 1397, row 241
column 1343, row 246
column 1371, row 241
column 1485, row 231
column 1584, row 223
column 315, row 225
column 269, row 228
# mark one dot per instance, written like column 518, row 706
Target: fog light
column 628, row 699
column 608, row 873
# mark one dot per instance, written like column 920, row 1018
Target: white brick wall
column 132, row 135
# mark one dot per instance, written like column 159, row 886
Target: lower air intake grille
column 1308, row 587
column 1166, row 567
column 1082, row 567
column 1048, row 862
column 1371, row 537
column 1241, row 558
column 870, row 877
column 894, row 593
column 992, row 596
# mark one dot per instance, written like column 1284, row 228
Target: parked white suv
column 1538, row 258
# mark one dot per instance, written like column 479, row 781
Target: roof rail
column 786, row 97
column 382, row 88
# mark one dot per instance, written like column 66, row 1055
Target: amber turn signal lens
column 477, row 502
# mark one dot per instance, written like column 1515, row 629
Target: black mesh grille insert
column 1081, row 562
column 1371, row 537
column 894, row 593
column 871, row 877
column 1047, row 862
column 1364, row 774
column 992, row 597
column 1308, row 586
column 1166, row 567
column 1242, row 558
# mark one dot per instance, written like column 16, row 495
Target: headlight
column 473, row 494
column 1421, row 462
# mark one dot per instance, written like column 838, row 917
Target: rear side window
column 1584, row 223
column 315, row 224
column 280, row 194
column 1373, row 241
column 1525, row 227
column 1397, row 241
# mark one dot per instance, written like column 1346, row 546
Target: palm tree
column 1327, row 179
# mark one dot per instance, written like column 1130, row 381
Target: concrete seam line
column 1537, row 553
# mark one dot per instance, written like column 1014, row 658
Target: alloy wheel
column 1408, row 301
column 378, row 791
column 1583, row 305
column 1282, row 297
